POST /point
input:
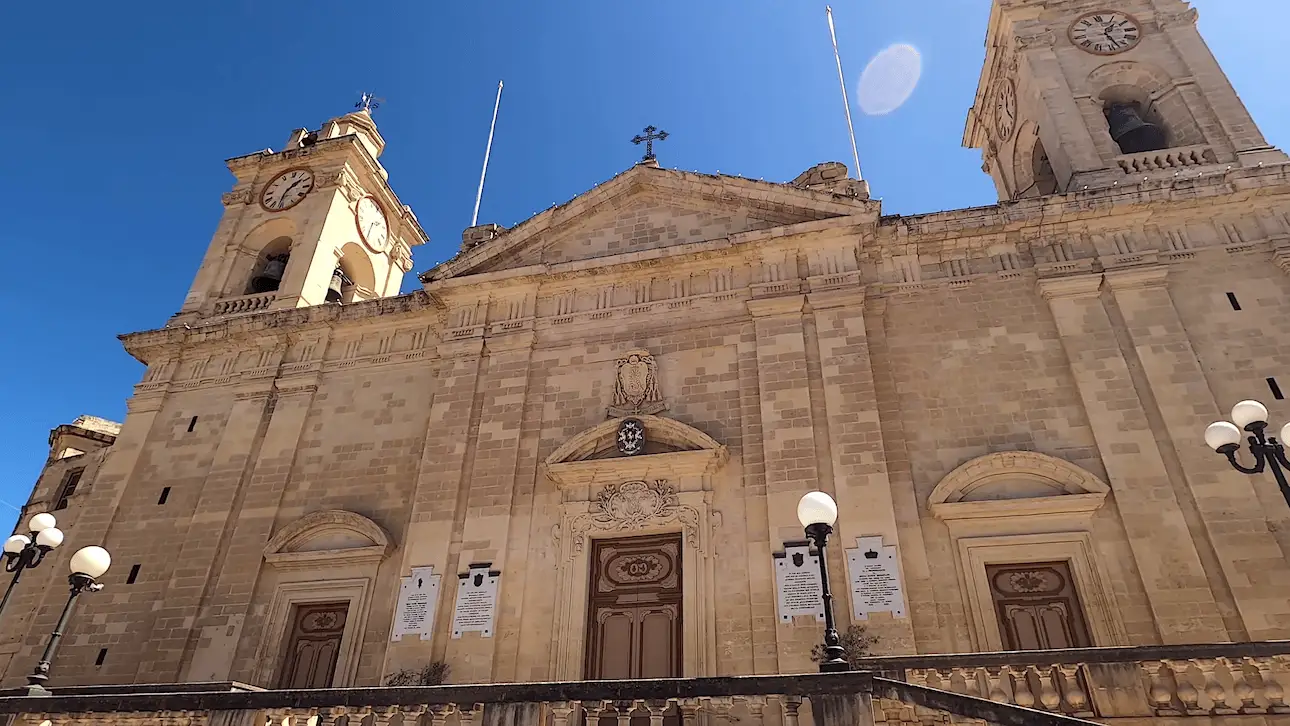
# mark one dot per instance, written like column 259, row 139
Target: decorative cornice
column 836, row 298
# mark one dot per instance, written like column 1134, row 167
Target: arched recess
column 666, row 490
column 1023, row 507
column 334, row 536
column 273, row 236
column 360, row 276
column 1153, row 92
column 1032, row 172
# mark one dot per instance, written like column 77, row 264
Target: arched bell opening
column 270, row 267
column 1044, row 176
column 354, row 279
column 1133, row 121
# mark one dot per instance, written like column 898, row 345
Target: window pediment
column 1018, row 484
column 335, row 537
column 673, row 451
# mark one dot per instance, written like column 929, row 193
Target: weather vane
column 649, row 138
column 369, row 103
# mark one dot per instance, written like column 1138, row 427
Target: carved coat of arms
column 636, row 385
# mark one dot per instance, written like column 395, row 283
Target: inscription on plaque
column 418, row 599
column 476, row 601
column 874, row 574
column 797, row 582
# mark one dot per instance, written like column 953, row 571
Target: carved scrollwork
column 1175, row 20
column 632, row 505
column 237, row 196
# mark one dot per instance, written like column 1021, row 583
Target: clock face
column 287, row 189
column 372, row 226
column 1105, row 32
column 1005, row 111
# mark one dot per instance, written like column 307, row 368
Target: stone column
column 788, row 440
column 860, row 482
column 1234, row 522
column 489, row 500
column 1175, row 581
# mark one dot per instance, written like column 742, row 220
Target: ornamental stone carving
column 636, row 386
column 631, row 505
column 237, row 196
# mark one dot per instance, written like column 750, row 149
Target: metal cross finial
column 649, row 138
column 368, row 102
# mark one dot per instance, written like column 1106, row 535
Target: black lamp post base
column 837, row 665
column 36, row 690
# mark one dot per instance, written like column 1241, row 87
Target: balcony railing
column 1042, row 688
column 245, row 303
column 1167, row 159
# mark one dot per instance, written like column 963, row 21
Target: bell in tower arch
column 1131, row 132
column 333, row 289
column 270, row 277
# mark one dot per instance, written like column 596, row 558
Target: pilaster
column 788, row 439
column 1226, row 500
column 1173, row 576
column 860, row 482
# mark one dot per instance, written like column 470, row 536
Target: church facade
column 576, row 452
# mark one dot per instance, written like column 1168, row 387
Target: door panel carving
column 313, row 645
column 1037, row 606
column 635, row 609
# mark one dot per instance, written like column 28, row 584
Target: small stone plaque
column 797, row 582
column 874, row 574
column 418, row 598
column 476, row 601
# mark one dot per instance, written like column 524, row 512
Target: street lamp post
column 22, row 551
column 1252, row 417
column 88, row 564
column 817, row 512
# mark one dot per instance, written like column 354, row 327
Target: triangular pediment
column 646, row 208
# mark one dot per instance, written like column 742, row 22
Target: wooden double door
column 1037, row 606
column 313, row 645
column 634, row 614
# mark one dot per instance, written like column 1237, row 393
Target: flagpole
column 846, row 105
column 479, row 196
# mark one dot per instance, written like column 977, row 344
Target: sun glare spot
column 889, row 79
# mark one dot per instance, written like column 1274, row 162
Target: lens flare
column 889, row 79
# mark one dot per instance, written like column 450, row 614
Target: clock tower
column 315, row 223
column 1079, row 95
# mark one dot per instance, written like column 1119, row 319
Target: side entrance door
column 1037, row 606
column 634, row 617
column 313, row 645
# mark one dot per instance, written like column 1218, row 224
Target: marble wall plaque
column 797, row 582
column 418, row 599
column 476, row 608
column 874, row 575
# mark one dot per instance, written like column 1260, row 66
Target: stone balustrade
column 245, row 303
column 1041, row 688
column 1167, row 159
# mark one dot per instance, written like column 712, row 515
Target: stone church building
column 577, row 450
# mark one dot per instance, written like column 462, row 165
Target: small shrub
column 856, row 642
column 430, row 674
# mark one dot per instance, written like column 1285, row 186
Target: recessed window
column 192, row 424
column 67, row 488
column 134, row 575
column 165, row 494
column 1231, row 298
column 1276, row 390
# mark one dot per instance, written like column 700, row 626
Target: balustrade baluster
column 790, row 706
column 718, row 708
column 1272, row 689
column 1021, row 692
column 657, row 709
column 994, row 678
column 623, row 709
column 1162, row 694
column 1214, row 688
column 466, row 716
column 1073, row 691
column 1047, row 692
column 689, row 708
column 756, row 709
column 440, row 712
column 1241, row 687
column 1187, row 693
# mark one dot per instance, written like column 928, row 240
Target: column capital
column 836, row 298
column 770, row 306
column 1071, row 286
column 1137, row 277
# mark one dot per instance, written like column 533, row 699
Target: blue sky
column 119, row 116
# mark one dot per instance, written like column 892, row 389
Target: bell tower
column 316, row 223
column 1079, row 95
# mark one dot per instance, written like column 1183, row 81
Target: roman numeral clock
column 1105, row 32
